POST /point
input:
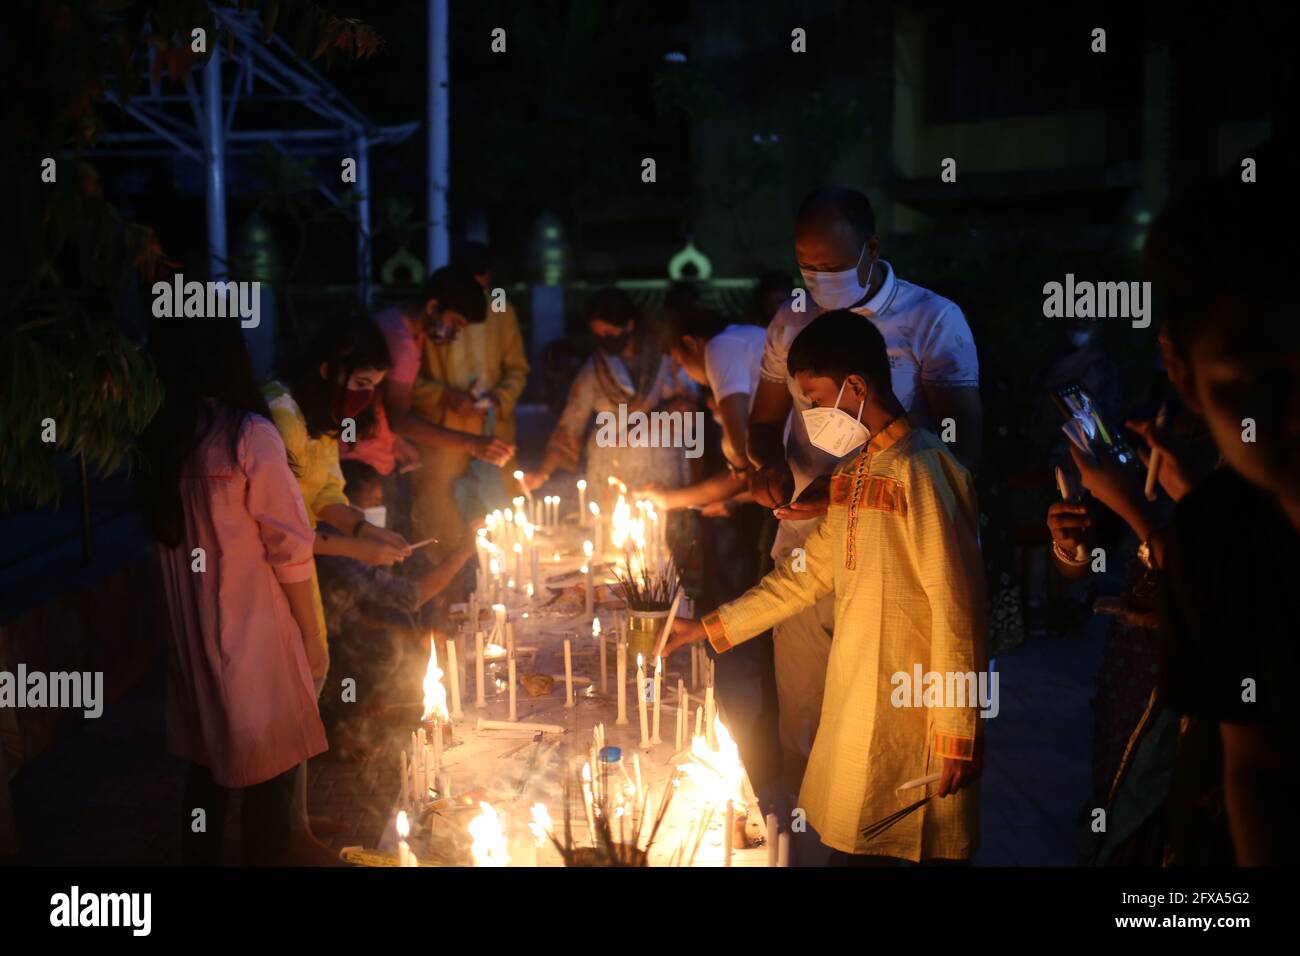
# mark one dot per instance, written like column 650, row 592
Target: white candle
column 641, row 702
column 620, row 657
column 683, row 710
column 453, row 673
column 783, row 849
column 559, row 516
column 534, row 570
column 403, row 848
column 511, row 665
column 729, row 838
column 604, row 661
column 710, row 736
column 479, row 699
column 659, row 684
column 437, row 750
column 422, row 774
column 772, row 839
column 519, row 564
column 406, row 782
column 699, row 721
column 484, row 724
column 582, row 500
column 568, row 673
column 695, row 667
column 499, row 624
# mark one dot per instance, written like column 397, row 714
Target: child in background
column 899, row 551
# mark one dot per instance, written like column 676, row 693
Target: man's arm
column 771, row 482
column 416, row 428
column 734, row 412
column 961, row 404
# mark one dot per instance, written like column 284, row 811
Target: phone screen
column 1076, row 403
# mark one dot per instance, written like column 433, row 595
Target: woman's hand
column 661, row 499
column 1116, row 487
column 533, row 480
column 1069, row 522
column 1170, row 472
column 371, row 550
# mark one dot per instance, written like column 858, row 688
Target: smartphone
column 1087, row 421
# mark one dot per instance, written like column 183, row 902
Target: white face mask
column 377, row 516
column 838, row 290
column 834, row 430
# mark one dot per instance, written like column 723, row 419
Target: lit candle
column 568, row 673
column 597, row 528
column 479, row 699
column 659, row 683
column 453, row 672
column 436, row 733
column 582, row 499
column 406, row 782
column 699, row 721
column 641, row 702
column 403, row 848
column 510, row 638
column 695, row 667
column 729, row 838
column 559, row 515
column 519, row 563
column 710, row 734
column 590, row 595
column 600, row 641
column 494, row 569
column 620, row 658
column 511, row 665
column 422, row 774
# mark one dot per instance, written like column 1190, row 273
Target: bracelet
column 1069, row 559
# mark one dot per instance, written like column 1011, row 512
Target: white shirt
column 732, row 361
column 928, row 341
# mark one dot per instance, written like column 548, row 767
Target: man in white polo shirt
column 935, row 376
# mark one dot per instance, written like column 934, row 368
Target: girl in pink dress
column 236, row 552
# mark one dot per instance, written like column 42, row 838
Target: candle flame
column 615, row 483
column 435, row 695
column 489, row 846
column 594, row 509
column 541, row 825
column 718, row 773
column 595, row 627
column 403, row 825
column 582, row 484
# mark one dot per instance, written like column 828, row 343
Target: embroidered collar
column 899, row 428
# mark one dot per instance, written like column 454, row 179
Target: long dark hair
column 344, row 347
column 208, row 384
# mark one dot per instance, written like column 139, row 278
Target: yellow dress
column 316, row 465
column 899, row 549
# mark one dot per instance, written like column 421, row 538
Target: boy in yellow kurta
column 898, row 548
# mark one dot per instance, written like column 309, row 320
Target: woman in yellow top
column 325, row 398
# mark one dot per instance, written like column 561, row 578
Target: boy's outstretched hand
column 685, row 631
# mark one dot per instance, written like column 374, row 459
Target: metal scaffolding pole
column 363, row 220
column 214, row 165
column 438, row 250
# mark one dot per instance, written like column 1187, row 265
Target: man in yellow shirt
column 467, row 381
column 898, row 548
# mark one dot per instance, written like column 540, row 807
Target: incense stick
column 668, row 624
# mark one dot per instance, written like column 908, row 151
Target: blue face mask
column 838, row 290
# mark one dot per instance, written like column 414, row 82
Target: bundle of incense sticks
column 872, row 830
